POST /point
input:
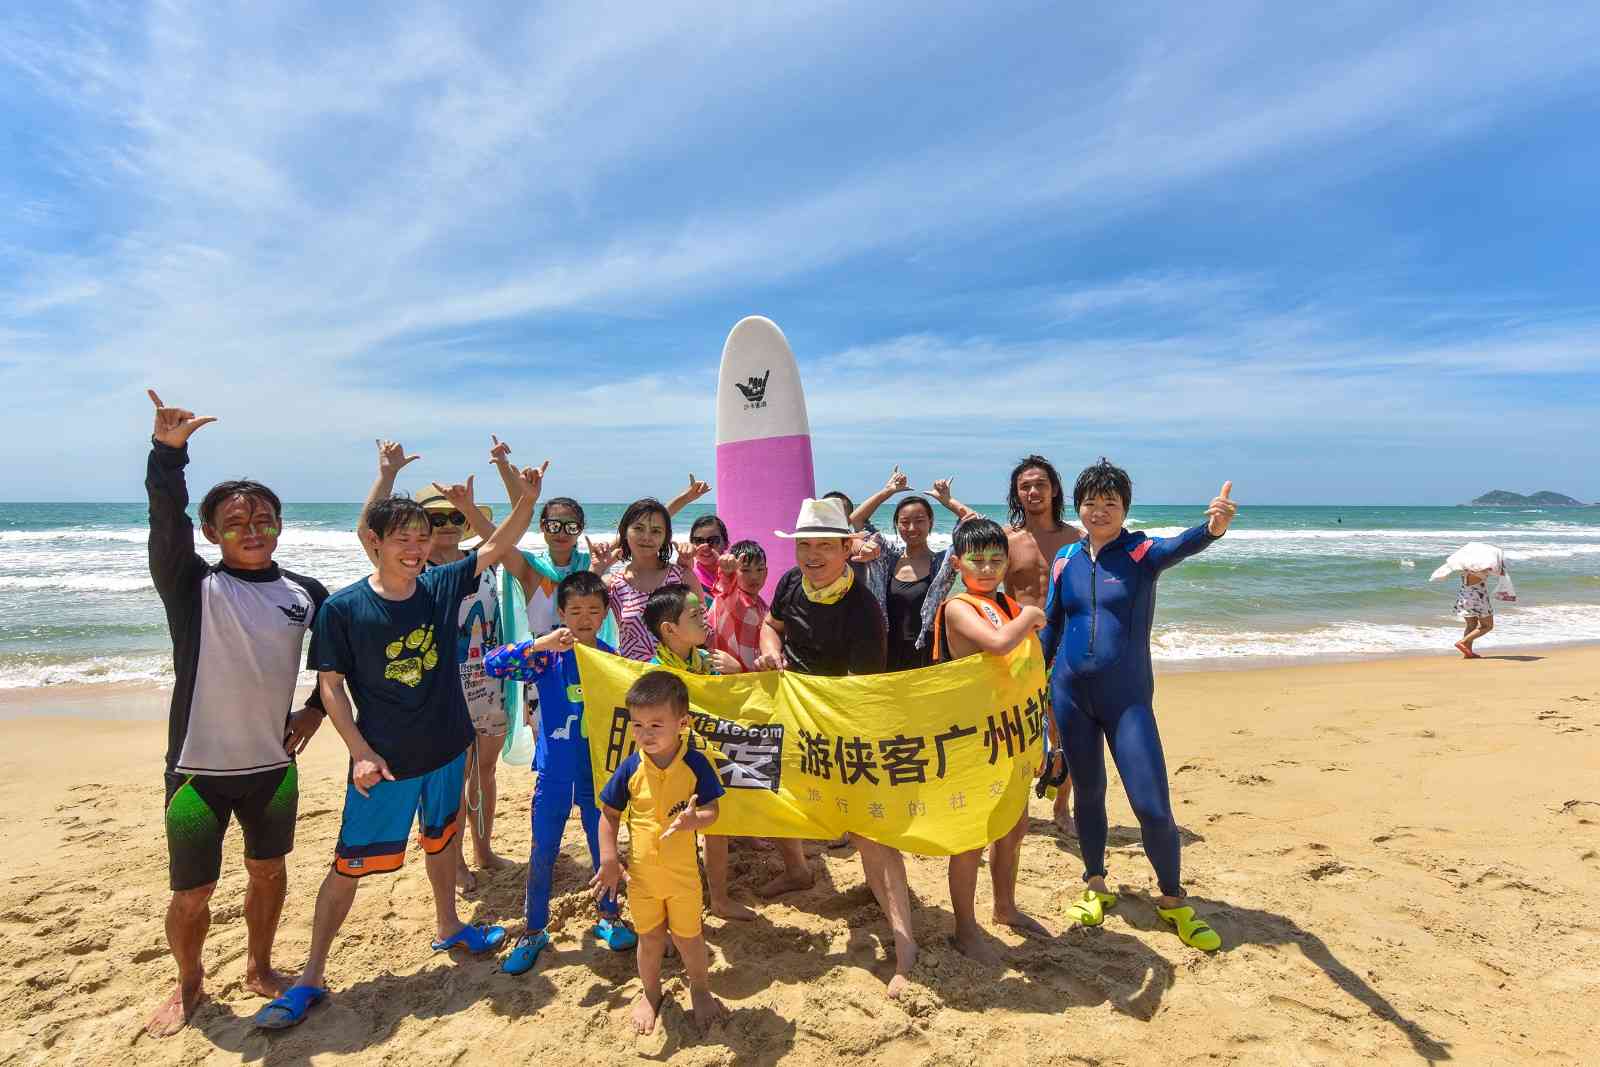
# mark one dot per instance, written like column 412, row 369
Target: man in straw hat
column 824, row 621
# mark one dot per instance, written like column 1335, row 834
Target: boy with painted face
column 1097, row 633
column 668, row 792
column 380, row 638
column 238, row 634
column 560, row 758
column 983, row 620
column 824, row 621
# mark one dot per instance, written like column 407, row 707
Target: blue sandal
column 526, row 953
column 475, row 939
column 289, row 1009
column 615, row 935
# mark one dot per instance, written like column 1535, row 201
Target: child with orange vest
column 985, row 620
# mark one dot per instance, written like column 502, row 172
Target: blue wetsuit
column 1097, row 635
column 561, row 762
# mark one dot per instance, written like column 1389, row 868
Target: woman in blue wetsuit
column 1098, row 611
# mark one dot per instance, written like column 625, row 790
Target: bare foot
column 492, row 861
column 971, row 944
column 1022, row 923
column 177, row 1010
column 644, row 1015
column 707, row 1008
column 899, row 986
column 466, row 881
column 728, row 908
column 787, row 882
column 269, row 983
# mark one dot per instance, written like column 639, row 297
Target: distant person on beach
column 1476, row 609
column 452, row 512
column 824, row 621
column 238, row 630
column 1097, row 635
column 379, row 638
column 983, row 620
column 668, row 793
column 563, row 774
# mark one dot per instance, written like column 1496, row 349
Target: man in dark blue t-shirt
column 380, row 639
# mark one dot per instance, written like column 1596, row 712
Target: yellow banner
column 935, row 761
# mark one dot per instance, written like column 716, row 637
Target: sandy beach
column 1394, row 852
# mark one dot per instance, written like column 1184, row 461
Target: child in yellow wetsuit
column 669, row 792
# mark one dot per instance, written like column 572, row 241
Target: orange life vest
column 999, row 610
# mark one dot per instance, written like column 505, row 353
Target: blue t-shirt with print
column 406, row 688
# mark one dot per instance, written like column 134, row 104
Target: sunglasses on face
column 440, row 519
column 715, row 540
column 560, row 526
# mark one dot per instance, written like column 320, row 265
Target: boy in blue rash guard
column 1101, row 601
column 560, row 759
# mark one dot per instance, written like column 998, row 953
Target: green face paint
column 985, row 561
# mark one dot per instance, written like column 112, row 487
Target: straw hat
column 820, row 518
column 432, row 498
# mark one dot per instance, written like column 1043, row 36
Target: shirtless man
column 1036, row 531
column 1034, row 535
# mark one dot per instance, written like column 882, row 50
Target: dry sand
column 1395, row 853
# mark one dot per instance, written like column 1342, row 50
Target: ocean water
column 77, row 606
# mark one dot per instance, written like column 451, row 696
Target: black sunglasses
column 440, row 519
column 714, row 539
column 557, row 526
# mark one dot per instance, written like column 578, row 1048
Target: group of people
column 423, row 664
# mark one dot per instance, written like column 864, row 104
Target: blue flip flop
column 289, row 1009
column 475, row 939
column 520, row 960
column 615, row 935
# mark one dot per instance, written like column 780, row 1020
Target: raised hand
column 685, row 552
column 941, row 490
column 603, row 555
column 688, row 819
column 727, row 563
column 392, row 457
column 174, row 426
column 897, row 482
column 609, row 878
column 696, row 490
column 867, row 549
column 1221, row 511
column 460, row 496
column 533, row 479
column 499, row 451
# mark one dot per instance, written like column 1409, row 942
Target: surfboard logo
column 755, row 393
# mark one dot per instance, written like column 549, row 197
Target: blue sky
column 1337, row 255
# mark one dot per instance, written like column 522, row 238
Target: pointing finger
column 151, row 393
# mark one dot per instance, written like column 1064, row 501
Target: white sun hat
column 819, row 518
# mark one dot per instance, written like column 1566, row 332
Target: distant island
column 1499, row 498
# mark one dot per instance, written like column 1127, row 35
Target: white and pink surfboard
column 764, row 467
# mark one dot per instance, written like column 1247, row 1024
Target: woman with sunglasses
column 452, row 515
column 708, row 537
